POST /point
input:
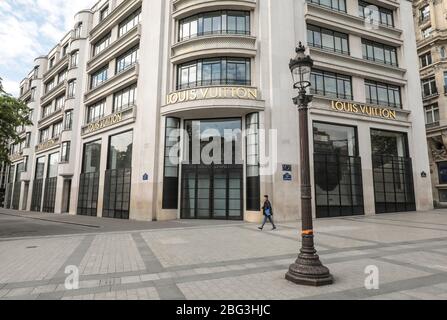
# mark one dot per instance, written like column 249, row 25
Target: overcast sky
column 30, row 28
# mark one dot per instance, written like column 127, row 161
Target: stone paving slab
column 196, row 260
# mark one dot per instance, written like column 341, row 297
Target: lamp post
column 308, row 269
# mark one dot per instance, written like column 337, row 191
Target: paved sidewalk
column 218, row 260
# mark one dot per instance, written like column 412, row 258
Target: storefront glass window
column 253, row 174
column 51, row 183
column 338, row 171
column 89, row 180
column 442, row 170
column 118, row 176
column 393, row 172
column 171, row 163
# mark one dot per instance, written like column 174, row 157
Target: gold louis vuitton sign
column 46, row 145
column 104, row 123
column 212, row 93
column 363, row 109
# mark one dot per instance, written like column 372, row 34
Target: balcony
column 432, row 125
column 115, row 49
column 59, row 65
column 336, row 62
column 53, row 93
column 124, row 9
column 215, row 44
column 184, row 8
column 116, row 82
column 430, row 96
column 55, row 116
column 354, row 25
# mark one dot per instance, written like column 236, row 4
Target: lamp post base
column 309, row 271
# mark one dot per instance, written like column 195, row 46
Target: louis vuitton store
column 338, row 168
column 363, row 162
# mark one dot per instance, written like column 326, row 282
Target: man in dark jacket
column 267, row 210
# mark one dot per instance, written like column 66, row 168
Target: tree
column 13, row 114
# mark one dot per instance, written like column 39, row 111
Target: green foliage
column 13, row 114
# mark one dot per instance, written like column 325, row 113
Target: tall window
column 125, row 98
column 78, row 30
column 89, row 180
column 432, row 114
column 101, row 45
column 429, row 87
column 65, row 151
column 68, row 120
column 44, row 134
column 62, row 76
column 118, row 176
column 393, row 172
column 57, row 129
column 51, row 62
column 36, row 72
column 92, row 157
column 104, row 13
column 74, row 59
column 65, row 50
column 253, row 163
column 338, row 171
column 427, row 32
column 96, row 111
column 378, row 52
column 49, row 85
column 383, row 94
column 384, row 15
column 171, row 164
column 60, row 101
column 331, row 84
column 28, row 140
column 129, row 23
column 71, row 92
column 99, row 77
column 327, row 39
column 127, row 60
column 424, row 13
column 49, row 198
column 36, row 201
column 426, row 59
column 217, row 22
column 214, row 71
column 339, row 5
column 47, row 110
column 33, row 94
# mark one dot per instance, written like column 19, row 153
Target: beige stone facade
column 218, row 65
column 431, row 27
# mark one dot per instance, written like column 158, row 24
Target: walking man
column 267, row 209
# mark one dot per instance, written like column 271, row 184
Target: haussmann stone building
column 107, row 99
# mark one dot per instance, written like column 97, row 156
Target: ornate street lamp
column 308, row 269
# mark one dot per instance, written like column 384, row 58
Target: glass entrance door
column 212, row 174
column 212, row 192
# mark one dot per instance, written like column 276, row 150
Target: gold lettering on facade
column 371, row 111
column 213, row 93
column 46, row 145
column 104, row 123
